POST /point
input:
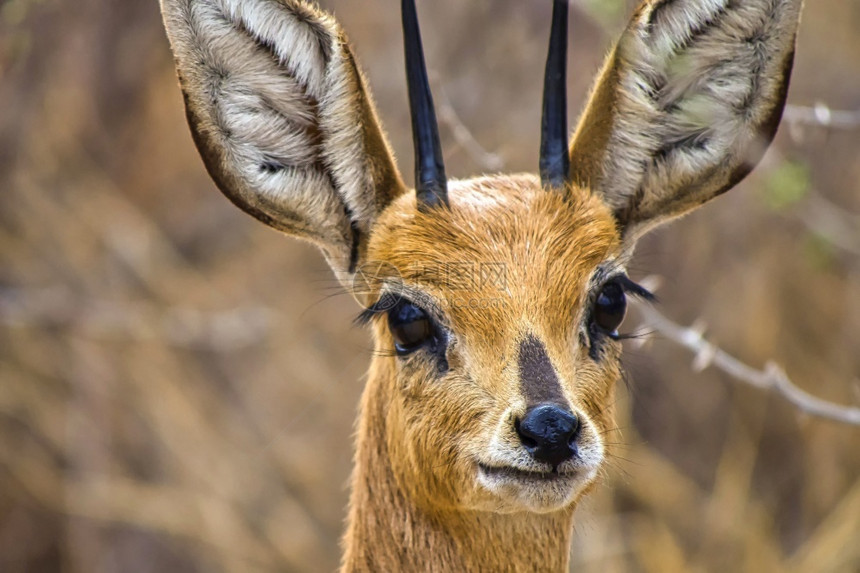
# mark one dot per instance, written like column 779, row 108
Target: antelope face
column 495, row 302
column 502, row 316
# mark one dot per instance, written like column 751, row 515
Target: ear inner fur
column 283, row 119
column 685, row 106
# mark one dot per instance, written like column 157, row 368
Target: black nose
column 549, row 433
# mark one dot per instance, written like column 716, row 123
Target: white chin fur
column 512, row 493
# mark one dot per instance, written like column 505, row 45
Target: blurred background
column 178, row 384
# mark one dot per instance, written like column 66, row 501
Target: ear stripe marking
column 282, row 118
column 299, row 40
column 686, row 104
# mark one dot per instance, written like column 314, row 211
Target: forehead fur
column 507, row 251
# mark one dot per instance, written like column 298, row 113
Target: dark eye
column 610, row 308
column 410, row 326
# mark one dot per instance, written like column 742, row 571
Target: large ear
column 283, row 120
column 686, row 105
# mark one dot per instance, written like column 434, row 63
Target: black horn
column 431, row 183
column 554, row 155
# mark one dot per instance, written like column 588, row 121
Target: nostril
column 549, row 433
column 526, row 440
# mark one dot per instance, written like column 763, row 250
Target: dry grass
column 178, row 384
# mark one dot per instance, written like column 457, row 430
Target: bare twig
column 772, row 378
column 821, row 115
column 831, row 222
column 448, row 116
column 52, row 307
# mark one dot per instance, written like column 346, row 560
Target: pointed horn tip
column 430, row 180
column 555, row 159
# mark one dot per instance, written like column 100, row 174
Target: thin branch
column 448, row 116
column 772, row 378
column 53, row 307
column 821, row 115
column 831, row 222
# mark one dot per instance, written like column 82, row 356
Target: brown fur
column 418, row 433
column 684, row 108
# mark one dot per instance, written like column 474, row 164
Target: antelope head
column 495, row 303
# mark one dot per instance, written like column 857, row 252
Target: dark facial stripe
column 538, row 379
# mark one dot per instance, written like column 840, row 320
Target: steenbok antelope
column 492, row 387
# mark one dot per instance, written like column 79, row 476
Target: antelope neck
column 388, row 531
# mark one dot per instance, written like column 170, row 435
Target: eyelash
column 387, row 301
column 633, row 289
column 592, row 333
